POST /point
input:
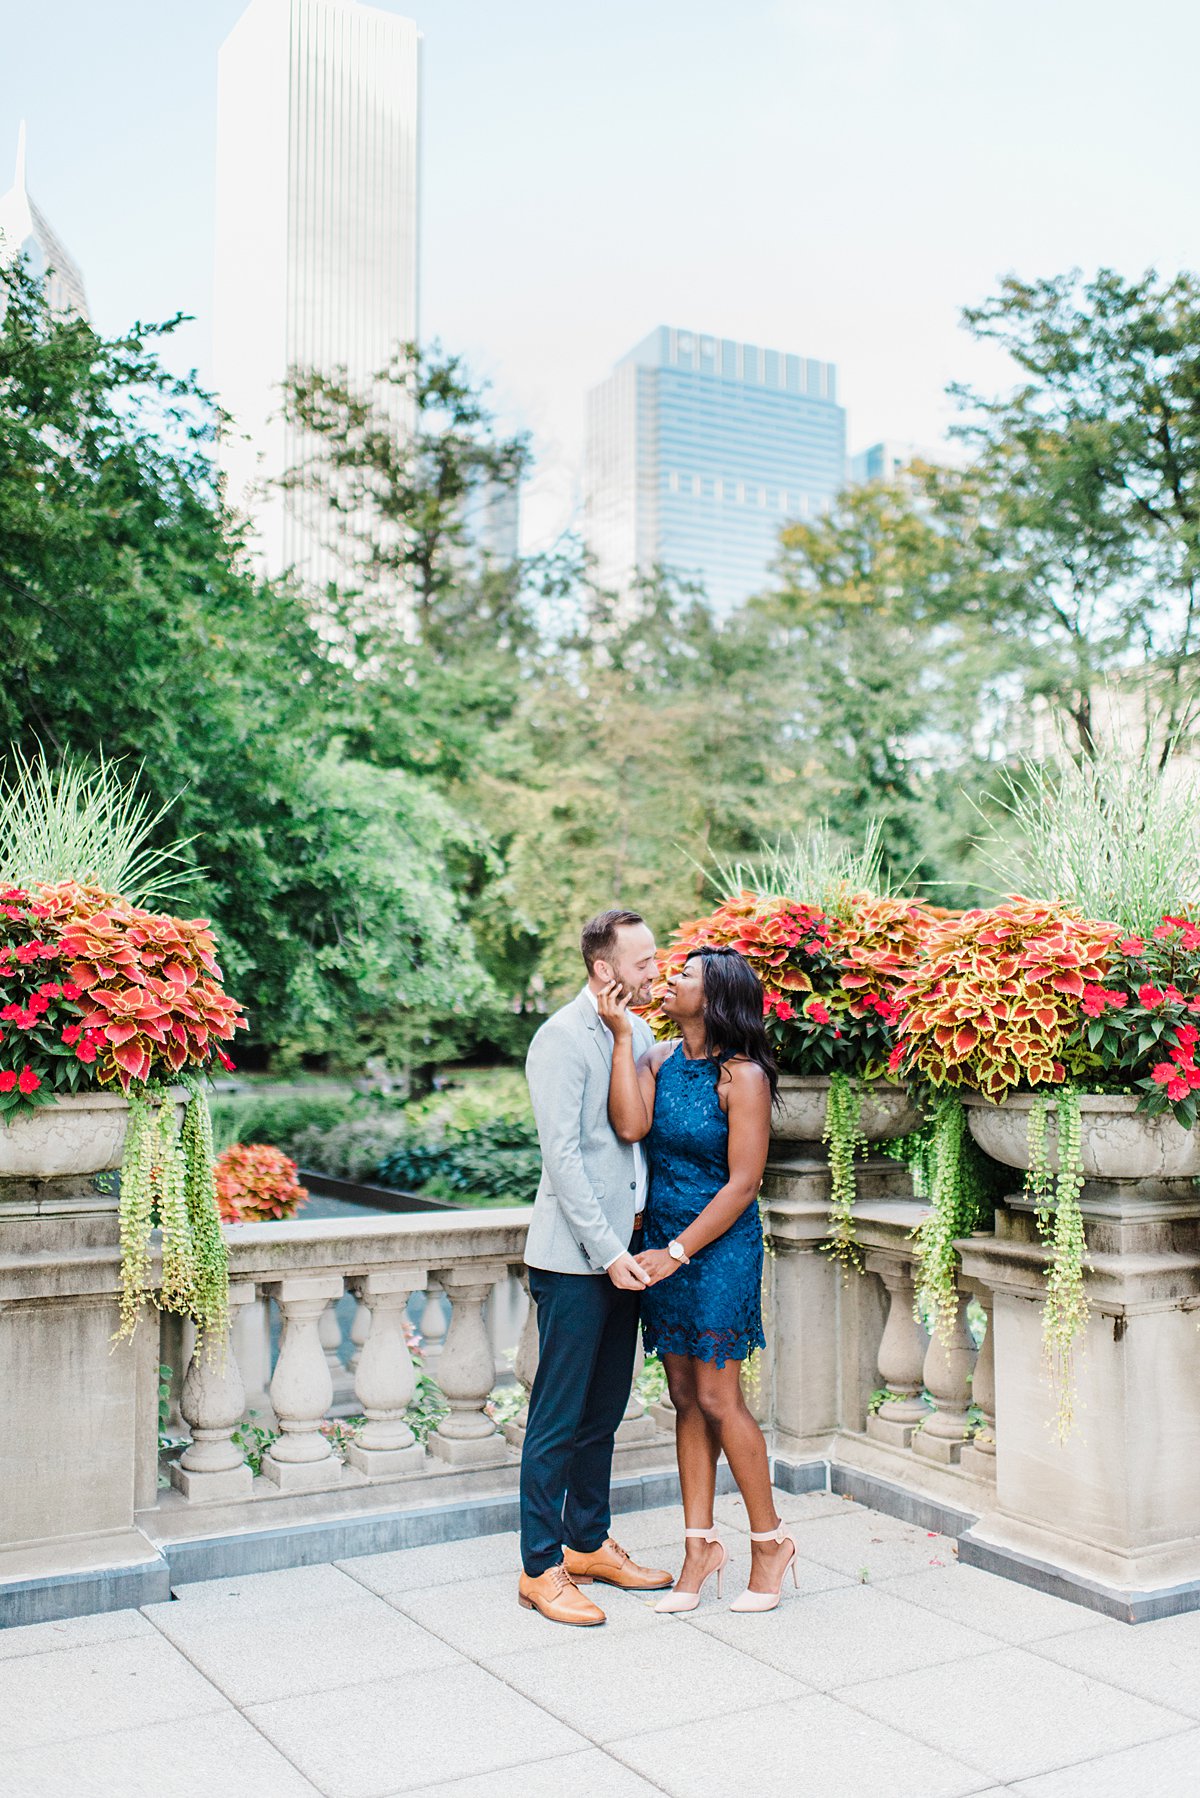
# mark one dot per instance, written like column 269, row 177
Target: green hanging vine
column 844, row 1133
column 958, row 1181
column 1060, row 1225
column 168, row 1179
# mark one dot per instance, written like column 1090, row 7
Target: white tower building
column 24, row 231
column 316, row 239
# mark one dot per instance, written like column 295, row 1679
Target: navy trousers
column 587, row 1337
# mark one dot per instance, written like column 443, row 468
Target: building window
column 673, row 480
column 697, row 486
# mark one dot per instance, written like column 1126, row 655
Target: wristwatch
column 677, row 1252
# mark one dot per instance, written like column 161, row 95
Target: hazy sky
column 833, row 177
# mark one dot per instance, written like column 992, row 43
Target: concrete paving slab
column 103, row 1685
column 998, row 1607
column 811, row 1744
column 793, row 1507
column 402, row 1735
column 1026, row 1715
column 1163, row 1769
column 254, row 1654
column 870, row 1546
column 629, row 1683
column 221, row 1753
column 322, row 1589
column 1159, row 1661
column 593, row 1772
column 71, row 1632
column 482, row 1619
column 411, row 1569
column 835, row 1638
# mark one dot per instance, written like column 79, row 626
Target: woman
column 703, row 1105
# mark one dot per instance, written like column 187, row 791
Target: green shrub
column 495, row 1163
column 278, row 1120
column 353, row 1149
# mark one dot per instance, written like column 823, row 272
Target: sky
column 836, row 178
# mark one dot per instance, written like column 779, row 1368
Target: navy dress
column 712, row 1308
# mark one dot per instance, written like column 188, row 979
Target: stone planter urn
column 887, row 1110
column 1125, row 1153
column 49, row 1158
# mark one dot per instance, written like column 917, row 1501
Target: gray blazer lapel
column 589, row 1017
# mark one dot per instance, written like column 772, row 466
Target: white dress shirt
column 639, row 1160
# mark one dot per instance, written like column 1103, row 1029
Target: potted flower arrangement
column 1073, row 1048
column 831, row 979
column 108, row 1015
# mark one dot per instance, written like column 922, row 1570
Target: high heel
column 687, row 1601
column 766, row 1601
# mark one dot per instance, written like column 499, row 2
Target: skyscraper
column 316, row 262
column 698, row 449
column 24, row 231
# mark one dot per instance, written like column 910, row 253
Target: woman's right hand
column 612, row 1002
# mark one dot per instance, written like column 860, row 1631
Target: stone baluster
column 432, row 1327
column 330, row 1331
column 301, row 1459
column 635, row 1426
column 252, row 1345
column 525, row 1364
column 979, row 1456
column 360, row 1329
column 386, row 1379
column 902, row 1351
column 948, row 1363
column 212, row 1402
column 466, row 1371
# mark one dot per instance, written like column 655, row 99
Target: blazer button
column 633, row 1186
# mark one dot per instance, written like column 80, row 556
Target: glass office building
column 698, row 449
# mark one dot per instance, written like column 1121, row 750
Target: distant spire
column 19, row 177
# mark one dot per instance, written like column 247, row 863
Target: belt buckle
column 638, row 1219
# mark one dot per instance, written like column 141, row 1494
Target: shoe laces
column 622, row 1554
column 561, row 1577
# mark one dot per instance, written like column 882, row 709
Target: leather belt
column 638, row 1219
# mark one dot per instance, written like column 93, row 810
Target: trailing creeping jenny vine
column 844, row 1133
column 1060, row 1226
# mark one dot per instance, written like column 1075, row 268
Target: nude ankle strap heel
column 767, row 1601
column 687, row 1601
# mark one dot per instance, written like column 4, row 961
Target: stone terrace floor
column 893, row 1671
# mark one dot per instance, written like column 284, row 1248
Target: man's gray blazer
column 583, row 1214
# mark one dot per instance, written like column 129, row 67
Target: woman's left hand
column 657, row 1263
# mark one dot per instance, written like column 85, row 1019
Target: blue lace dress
column 712, row 1308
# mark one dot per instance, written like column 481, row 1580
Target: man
column 583, row 1236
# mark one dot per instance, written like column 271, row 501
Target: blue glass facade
column 699, row 449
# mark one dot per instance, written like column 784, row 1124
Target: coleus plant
column 95, row 991
column 1029, row 995
column 831, row 980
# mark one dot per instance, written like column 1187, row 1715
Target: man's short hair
column 599, row 939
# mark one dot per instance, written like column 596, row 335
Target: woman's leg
column 719, row 1397
column 696, row 1448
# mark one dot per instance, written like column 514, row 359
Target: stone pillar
column 252, row 1346
column 466, row 1372
column 300, row 1459
column 979, row 1456
column 948, row 1363
column 902, row 1351
column 432, row 1327
column 525, row 1364
column 386, row 1379
column 360, row 1329
column 213, row 1403
column 1111, row 1512
column 803, row 1303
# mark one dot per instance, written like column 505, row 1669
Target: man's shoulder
column 561, row 1023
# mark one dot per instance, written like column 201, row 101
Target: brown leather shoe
column 612, row 1565
column 555, row 1594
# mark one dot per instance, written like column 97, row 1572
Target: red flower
column 230, row 1066
column 72, row 1034
column 1095, row 1000
column 29, row 952
column 38, row 1005
column 895, row 1058
column 1162, row 1071
column 86, row 1050
column 1173, row 996
column 818, row 1013
column 28, row 1082
column 1166, row 928
column 1150, row 996
column 8, row 1080
column 783, row 1011
column 1177, row 1089
column 1133, row 945
column 50, row 989
column 1187, row 1033
column 71, row 991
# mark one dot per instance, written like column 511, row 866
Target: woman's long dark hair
column 733, row 1012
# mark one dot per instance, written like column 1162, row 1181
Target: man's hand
column 657, row 1265
column 625, row 1274
column 612, row 1002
